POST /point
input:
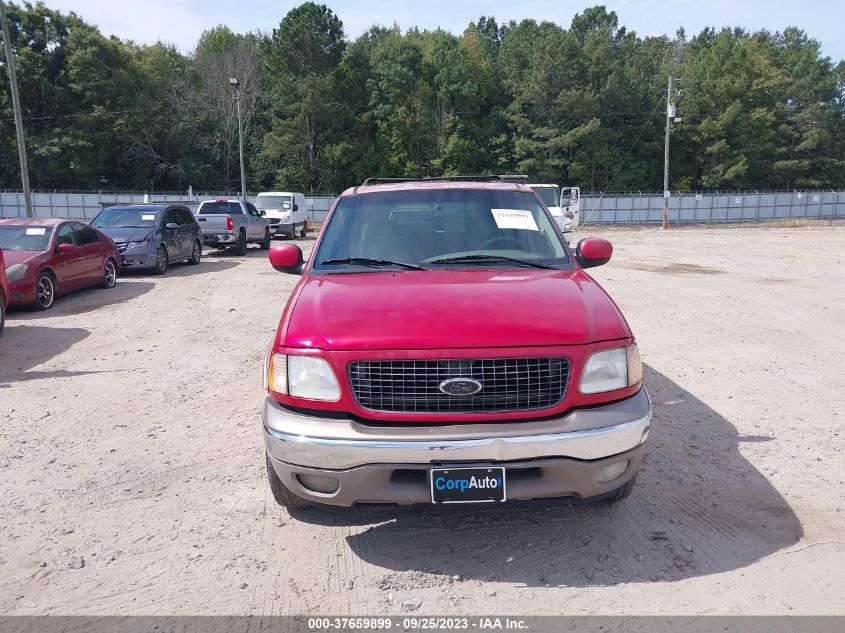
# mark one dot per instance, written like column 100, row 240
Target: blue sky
column 181, row 21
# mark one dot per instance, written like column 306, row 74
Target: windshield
column 22, row 237
column 273, row 203
column 126, row 217
column 549, row 195
column 421, row 227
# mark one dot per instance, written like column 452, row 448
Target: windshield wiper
column 369, row 261
column 489, row 258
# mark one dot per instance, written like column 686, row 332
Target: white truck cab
column 285, row 211
column 564, row 205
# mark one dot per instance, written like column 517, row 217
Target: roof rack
column 517, row 178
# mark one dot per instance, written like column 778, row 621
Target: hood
column 11, row 257
column 452, row 309
column 126, row 235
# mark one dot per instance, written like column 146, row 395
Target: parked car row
column 43, row 258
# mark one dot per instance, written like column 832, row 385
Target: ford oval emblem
column 461, row 387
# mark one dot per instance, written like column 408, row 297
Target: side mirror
column 64, row 248
column 287, row 258
column 593, row 251
column 262, row 212
column 171, row 225
column 296, row 207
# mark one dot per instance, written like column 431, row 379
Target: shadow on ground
column 25, row 346
column 182, row 269
column 699, row 508
column 81, row 301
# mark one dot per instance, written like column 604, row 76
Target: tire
column 109, row 275
column 162, row 261
column 45, row 291
column 2, row 314
column 196, row 254
column 240, row 246
column 281, row 494
column 265, row 243
column 622, row 492
column 304, row 231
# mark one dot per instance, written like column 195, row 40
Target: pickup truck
column 226, row 223
column 444, row 345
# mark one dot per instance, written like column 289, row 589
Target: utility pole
column 237, row 86
column 16, row 106
column 670, row 114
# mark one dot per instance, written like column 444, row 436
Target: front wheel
column 622, row 492
column 304, row 231
column 109, row 275
column 196, row 254
column 265, row 243
column 281, row 494
column 162, row 261
column 45, row 292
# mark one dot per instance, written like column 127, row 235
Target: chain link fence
column 711, row 207
column 83, row 205
column 596, row 208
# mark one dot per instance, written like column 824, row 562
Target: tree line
column 583, row 105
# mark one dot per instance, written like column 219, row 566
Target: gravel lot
column 132, row 467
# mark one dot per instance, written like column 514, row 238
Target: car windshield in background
column 273, row 203
column 442, row 228
column 21, row 237
column 219, row 208
column 126, row 217
column 549, row 195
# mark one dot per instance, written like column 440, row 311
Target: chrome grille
column 413, row 386
column 121, row 246
column 273, row 220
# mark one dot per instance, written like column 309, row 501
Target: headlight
column 302, row 376
column 16, row 272
column 132, row 245
column 612, row 369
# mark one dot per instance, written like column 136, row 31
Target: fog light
column 319, row 483
column 609, row 473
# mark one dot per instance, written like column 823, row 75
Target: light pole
column 237, row 86
column 670, row 118
column 16, row 106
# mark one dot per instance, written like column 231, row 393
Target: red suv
column 4, row 291
column 445, row 346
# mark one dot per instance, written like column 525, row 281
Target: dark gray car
column 152, row 235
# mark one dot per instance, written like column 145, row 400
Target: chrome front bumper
column 583, row 434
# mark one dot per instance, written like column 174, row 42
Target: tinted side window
column 252, row 210
column 85, row 235
column 65, row 235
column 185, row 216
column 168, row 217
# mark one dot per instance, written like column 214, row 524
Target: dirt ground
column 132, row 467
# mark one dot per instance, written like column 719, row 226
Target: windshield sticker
column 514, row 219
column 36, row 231
column 286, row 205
column 147, row 217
